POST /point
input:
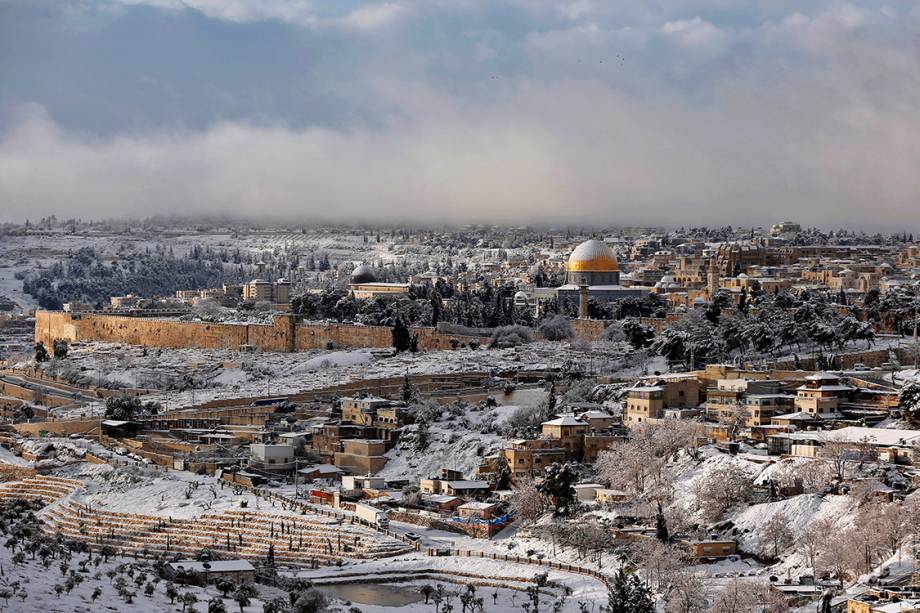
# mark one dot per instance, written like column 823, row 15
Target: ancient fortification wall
column 284, row 334
column 51, row 325
column 588, row 329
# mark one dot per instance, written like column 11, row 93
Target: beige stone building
column 821, row 393
column 361, row 456
column 260, row 290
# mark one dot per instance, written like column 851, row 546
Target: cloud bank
column 581, row 112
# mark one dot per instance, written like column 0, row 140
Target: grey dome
column 363, row 274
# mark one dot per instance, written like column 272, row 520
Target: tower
column 712, row 278
column 583, row 299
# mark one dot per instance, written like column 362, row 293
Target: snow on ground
column 458, row 442
column 204, row 374
column 584, row 589
column 691, row 475
column 8, row 457
column 798, row 513
column 39, row 583
column 149, row 490
column 334, row 359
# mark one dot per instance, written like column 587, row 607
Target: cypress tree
column 401, row 337
column 661, row 526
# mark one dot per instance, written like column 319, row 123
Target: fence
column 569, row 568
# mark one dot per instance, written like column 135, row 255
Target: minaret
column 583, row 299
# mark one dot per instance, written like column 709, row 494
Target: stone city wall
column 284, row 334
column 58, row 428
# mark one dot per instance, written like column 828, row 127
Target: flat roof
column 564, row 421
column 442, row 498
column 877, row 436
column 322, row 468
column 468, row 484
column 477, row 506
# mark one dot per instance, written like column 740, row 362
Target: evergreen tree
column 402, row 340
column 60, row 348
column 558, row 485
column 629, row 595
column 909, row 401
column 41, row 354
column 501, row 478
column 435, row 308
column 407, row 391
column 551, row 399
column 661, row 526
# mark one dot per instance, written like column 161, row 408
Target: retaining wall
column 284, row 334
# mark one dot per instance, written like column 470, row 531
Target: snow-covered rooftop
column 564, row 421
column 877, row 436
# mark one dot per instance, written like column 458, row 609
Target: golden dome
column 592, row 256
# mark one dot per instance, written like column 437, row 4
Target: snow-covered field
column 38, row 583
column 457, row 442
column 191, row 376
column 584, row 589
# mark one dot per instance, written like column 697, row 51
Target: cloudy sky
column 519, row 111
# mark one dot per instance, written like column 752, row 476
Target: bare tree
column 838, row 555
column 816, row 477
column 734, row 419
column 865, row 449
column 721, row 489
column 895, row 523
column 868, row 540
column 740, row 596
column 640, row 465
column 661, row 561
column 527, row 501
column 812, row 539
column 628, row 466
column 776, row 531
column 590, row 538
column 686, row 593
column 837, row 453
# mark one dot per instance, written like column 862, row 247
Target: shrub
column 556, row 328
column 510, row 336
